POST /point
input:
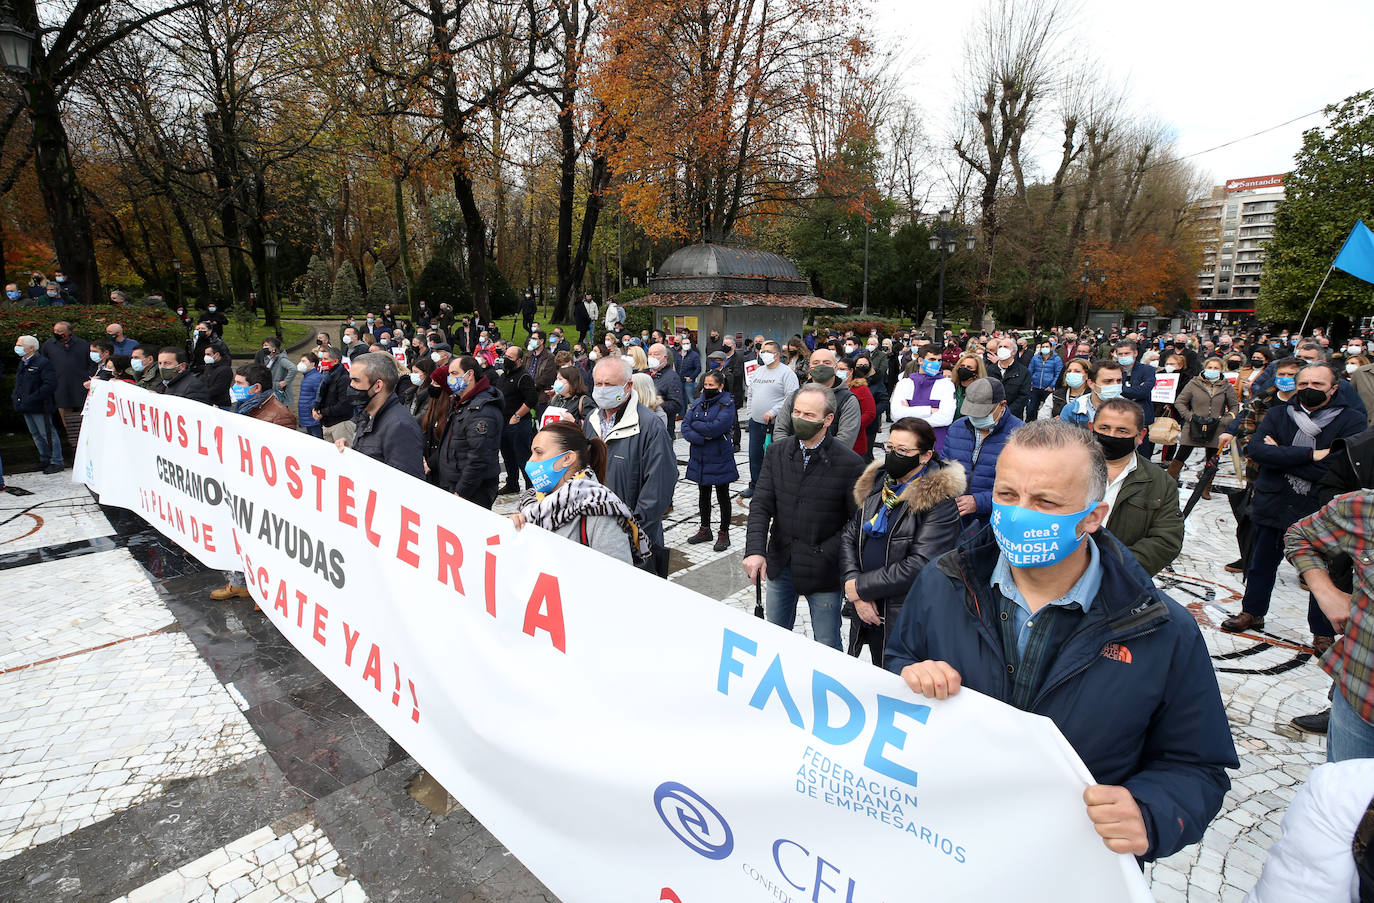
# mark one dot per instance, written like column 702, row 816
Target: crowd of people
column 1006, row 538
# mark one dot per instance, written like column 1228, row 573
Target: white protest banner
column 626, row 738
column 1232, row 377
column 749, row 368
column 1166, row 387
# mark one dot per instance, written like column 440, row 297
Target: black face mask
column 898, row 466
column 710, row 393
column 1257, row 362
column 1311, row 398
column 1115, row 447
column 1233, row 365
column 964, row 374
column 358, row 397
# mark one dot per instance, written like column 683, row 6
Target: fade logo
column 693, row 821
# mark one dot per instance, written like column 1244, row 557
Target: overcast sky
column 1214, row 70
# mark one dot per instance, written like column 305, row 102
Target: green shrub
column 505, row 300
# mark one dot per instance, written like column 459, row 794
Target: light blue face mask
column 1286, row 383
column 543, row 475
column 1036, row 539
column 240, row 393
column 983, row 423
column 930, row 368
column 1107, row 393
column 1073, row 379
column 1125, row 360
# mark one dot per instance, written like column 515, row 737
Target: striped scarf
column 582, row 496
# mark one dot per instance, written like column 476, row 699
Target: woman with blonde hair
column 648, row 395
column 967, row 368
column 638, row 360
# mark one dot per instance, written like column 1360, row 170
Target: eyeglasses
column 904, row 452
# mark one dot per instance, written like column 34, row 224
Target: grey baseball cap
column 983, row 396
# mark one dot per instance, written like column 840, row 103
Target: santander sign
column 1254, row 182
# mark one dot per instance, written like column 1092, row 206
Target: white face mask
column 436, row 357
column 1004, row 354
column 655, row 363
column 209, row 358
column 303, row 367
column 767, row 357
column 348, row 340
column 872, row 346
column 416, row 378
column 686, row 346
column 1351, row 367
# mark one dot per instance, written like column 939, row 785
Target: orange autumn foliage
column 1143, row 271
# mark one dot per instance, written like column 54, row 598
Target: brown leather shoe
column 229, row 591
column 1322, row 643
column 1239, row 623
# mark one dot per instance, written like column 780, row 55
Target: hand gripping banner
column 626, row 738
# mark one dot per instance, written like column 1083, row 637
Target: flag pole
column 1303, row 328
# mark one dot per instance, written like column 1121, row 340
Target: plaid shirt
column 1346, row 526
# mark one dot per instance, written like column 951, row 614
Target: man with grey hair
column 802, row 501
column 641, row 466
column 34, row 387
column 383, row 428
column 1048, row 612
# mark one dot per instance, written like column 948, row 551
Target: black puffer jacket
column 798, row 517
column 333, row 402
column 921, row 528
column 470, row 452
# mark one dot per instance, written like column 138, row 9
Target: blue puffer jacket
column 1045, row 370
column 310, row 390
column 1132, row 689
column 706, row 427
column 959, row 442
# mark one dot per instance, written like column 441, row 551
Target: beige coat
column 1205, row 398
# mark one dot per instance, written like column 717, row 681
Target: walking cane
column 758, row 598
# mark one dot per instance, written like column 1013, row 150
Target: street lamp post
column 1089, row 276
column 944, row 237
column 176, row 269
column 269, row 247
column 16, row 46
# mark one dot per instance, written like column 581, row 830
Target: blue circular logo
column 694, row 821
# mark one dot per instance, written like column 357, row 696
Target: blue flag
column 1357, row 254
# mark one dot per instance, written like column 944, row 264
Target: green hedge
column 148, row 325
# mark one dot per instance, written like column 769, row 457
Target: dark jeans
column 484, row 493
column 1037, row 398
column 1266, row 553
column 758, row 434
column 704, row 505
column 515, row 450
column 317, row 431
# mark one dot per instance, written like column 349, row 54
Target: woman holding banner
column 570, row 499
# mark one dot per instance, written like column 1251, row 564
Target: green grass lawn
column 238, row 343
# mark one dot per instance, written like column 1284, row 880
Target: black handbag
column 1203, row 429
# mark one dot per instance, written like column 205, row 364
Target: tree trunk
column 475, row 232
column 63, row 198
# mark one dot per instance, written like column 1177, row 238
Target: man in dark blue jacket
column 975, row 440
column 1291, row 447
column 382, row 428
column 34, row 387
column 1137, row 384
column 1073, row 629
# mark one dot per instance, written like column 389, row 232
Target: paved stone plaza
column 156, row 745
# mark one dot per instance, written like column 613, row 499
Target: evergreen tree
column 314, row 288
column 440, row 283
column 379, row 291
column 348, row 296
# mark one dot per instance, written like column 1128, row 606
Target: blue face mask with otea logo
column 240, row 393
column 1286, row 383
column 1036, row 539
column 930, row 368
column 543, row 475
